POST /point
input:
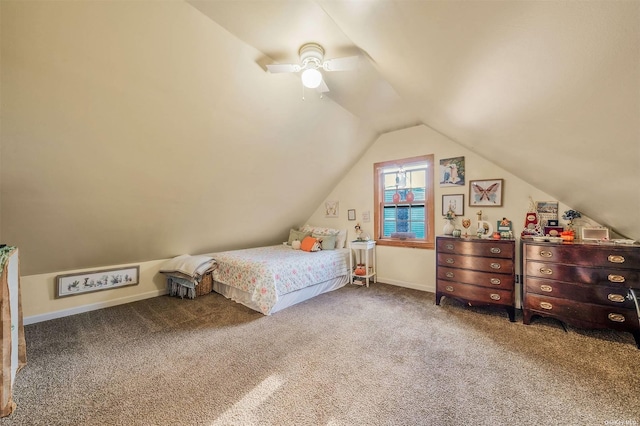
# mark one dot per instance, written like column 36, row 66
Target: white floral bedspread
column 267, row 272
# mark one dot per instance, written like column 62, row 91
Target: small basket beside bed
column 189, row 276
column 205, row 286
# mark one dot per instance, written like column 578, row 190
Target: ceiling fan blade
column 341, row 64
column 277, row 68
column 323, row 88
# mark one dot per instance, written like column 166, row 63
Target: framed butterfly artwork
column 486, row 193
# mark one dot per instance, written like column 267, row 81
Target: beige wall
column 0, row 129
column 40, row 304
column 134, row 131
column 415, row 268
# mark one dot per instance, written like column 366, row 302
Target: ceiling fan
column 311, row 62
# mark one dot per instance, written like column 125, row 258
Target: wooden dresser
column 477, row 271
column 587, row 285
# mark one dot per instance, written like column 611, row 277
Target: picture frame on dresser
column 486, row 193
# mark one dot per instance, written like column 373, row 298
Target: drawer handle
column 614, row 258
column 449, row 246
column 495, row 266
column 616, row 317
column 546, row 288
column 616, row 297
column 546, row 271
column 449, row 288
column 449, row 274
column 495, row 250
column 494, row 296
column 450, row 260
column 495, row 281
column 546, row 305
column 616, row 278
column 544, row 253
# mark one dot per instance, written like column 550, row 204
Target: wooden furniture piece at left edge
column 476, row 271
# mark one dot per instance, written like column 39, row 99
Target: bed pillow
column 320, row 230
column 310, row 244
column 297, row 235
column 341, row 239
column 327, row 242
column 341, row 234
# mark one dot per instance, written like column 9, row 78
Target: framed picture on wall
column 351, row 214
column 331, row 209
column 105, row 279
column 485, row 193
column 452, row 171
column 453, row 202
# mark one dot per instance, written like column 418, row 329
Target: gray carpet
column 382, row 355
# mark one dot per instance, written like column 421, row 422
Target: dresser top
column 584, row 244
column 473, row 238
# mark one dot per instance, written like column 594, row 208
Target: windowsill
column 421, row 244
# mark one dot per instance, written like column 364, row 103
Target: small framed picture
column 452, row 171
column 351, row 214
column 331, row 209
column 485, row 193
column 553, row 231
column 454, row 202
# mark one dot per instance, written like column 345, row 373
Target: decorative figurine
column 358, row 232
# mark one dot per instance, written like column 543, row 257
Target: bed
column 269, row 279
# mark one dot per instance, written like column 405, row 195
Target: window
column 403, row 199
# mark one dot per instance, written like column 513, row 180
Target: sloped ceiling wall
column 549, row 91
column 142, row 130
column 134, row 131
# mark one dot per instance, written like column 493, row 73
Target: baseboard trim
column 123, row 300
column 413, row 286
column 92, row 307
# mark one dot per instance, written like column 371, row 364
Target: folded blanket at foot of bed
column 188, row 275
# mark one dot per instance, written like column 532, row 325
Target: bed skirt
column 285, row 300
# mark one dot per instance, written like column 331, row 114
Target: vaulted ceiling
column 140, row 130
column 550, row 91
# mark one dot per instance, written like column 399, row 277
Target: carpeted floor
column 382, row 355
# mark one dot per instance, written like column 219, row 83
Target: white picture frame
column 90, row 281
column 332, row 209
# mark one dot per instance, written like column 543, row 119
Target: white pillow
column 320, row 230
column 342, row 238
column 341, row 234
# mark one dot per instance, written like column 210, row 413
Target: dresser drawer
column 583, row 314
column 496, row 265
column 584, row 274
column 489, row 248
column 475, row 293
column 604, row 295
column 585, row 254
column 485, row 279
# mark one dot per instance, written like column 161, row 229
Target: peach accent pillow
column 310, row 244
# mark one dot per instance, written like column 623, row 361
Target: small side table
column 363, row 250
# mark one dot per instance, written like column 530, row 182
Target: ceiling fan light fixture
column 311, row 78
